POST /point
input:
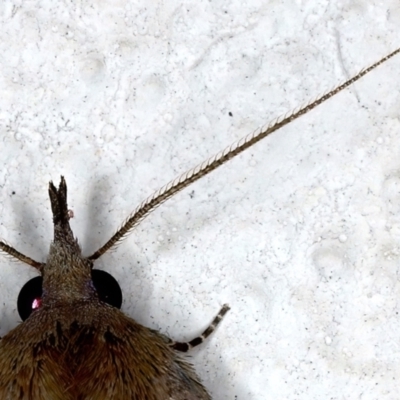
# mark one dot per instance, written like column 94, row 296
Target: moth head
column 106, row 286
column 67, row 276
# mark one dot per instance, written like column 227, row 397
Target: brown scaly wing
column 123, row 360
column 30, row 366
column 104, row 356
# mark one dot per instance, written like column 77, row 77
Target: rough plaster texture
column 300, row 235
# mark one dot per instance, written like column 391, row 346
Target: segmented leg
column 185, row 346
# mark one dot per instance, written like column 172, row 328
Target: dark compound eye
column 108, row 290
column 29, row 297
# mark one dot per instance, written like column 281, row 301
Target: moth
column 74, row 342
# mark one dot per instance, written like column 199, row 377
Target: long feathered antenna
column 9, row 250
column 186, row 179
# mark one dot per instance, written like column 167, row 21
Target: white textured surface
column 300, row 235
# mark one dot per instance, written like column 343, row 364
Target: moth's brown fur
column 89, row 350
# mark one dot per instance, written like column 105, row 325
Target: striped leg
column 185, row 346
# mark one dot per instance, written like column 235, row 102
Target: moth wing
column 129, row 361
column 30, row 371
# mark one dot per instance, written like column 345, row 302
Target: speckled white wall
column 300, row 235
